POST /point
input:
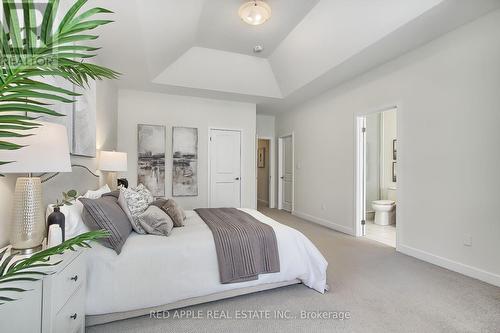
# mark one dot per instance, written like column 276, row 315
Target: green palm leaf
column 59, row 51
column 19, row 290
column 23, row 270
column 29, row 19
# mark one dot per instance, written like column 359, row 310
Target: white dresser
column 56, row 304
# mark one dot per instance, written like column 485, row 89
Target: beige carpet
column 383, row 291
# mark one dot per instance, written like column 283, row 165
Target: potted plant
column 58, row 218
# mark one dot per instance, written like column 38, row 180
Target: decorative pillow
column 105, row 213
column 143, row 190
column 161, row 202
column 156, row 222
column 115, row 194
column 175, row 212
column 97, row 193
column 74, row 225
column 134, row 202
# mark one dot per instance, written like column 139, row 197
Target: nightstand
column 55, row 304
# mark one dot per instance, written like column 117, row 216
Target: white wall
column 136, row 107
column 448, row 116
column 265, row 126
column 79, row 179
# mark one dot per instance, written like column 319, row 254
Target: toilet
column 385, row 210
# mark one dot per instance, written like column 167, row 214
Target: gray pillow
column 105, row 214
column 156, row 222
column 173, row 210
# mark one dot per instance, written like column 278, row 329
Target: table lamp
column 45, row 150
column 112, row 162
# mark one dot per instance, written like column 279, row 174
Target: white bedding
column 156, row 270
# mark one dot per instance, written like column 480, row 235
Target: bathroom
column 381, row 176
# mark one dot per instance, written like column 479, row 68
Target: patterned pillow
column 145, row 193
column 134, row 202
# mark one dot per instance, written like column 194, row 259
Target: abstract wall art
column 151, row 158
column 185, row 161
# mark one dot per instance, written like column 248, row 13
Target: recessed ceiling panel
column 221, row 28
column 202, row 68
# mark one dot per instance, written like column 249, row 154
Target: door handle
column 282, row 177
column 237, row 178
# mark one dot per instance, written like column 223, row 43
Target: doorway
column 264, row 173
column 377, row 181
column 286, row 173
column 224, row 168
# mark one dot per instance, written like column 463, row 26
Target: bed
column 155, row 273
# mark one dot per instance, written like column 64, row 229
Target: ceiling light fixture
column 255, row 12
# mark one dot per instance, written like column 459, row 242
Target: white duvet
column 156, row 270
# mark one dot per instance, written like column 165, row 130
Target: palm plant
column 23, row 269
column 32, row 50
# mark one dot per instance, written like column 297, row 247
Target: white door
column 225, row 168
column 286, row 177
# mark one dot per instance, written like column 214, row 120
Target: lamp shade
column 46, row 150
column 113, row 161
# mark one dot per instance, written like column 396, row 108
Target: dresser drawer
column 70, row 318
column 67, row 281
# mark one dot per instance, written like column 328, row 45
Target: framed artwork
column 79, row 117
column 394, row 167
column 394, row 149
column 261, row 157
column 151, row 158
column 185, row 161
column 84, row 121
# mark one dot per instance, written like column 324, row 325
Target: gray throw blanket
column 245, row 246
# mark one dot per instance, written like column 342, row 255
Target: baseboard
column 455, row 266
column 325, row 223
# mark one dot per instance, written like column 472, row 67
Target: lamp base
column 26, row 251
column 112, row 181
column 28, row 230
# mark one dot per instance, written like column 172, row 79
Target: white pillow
column 97, row 193
column 74, row 225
